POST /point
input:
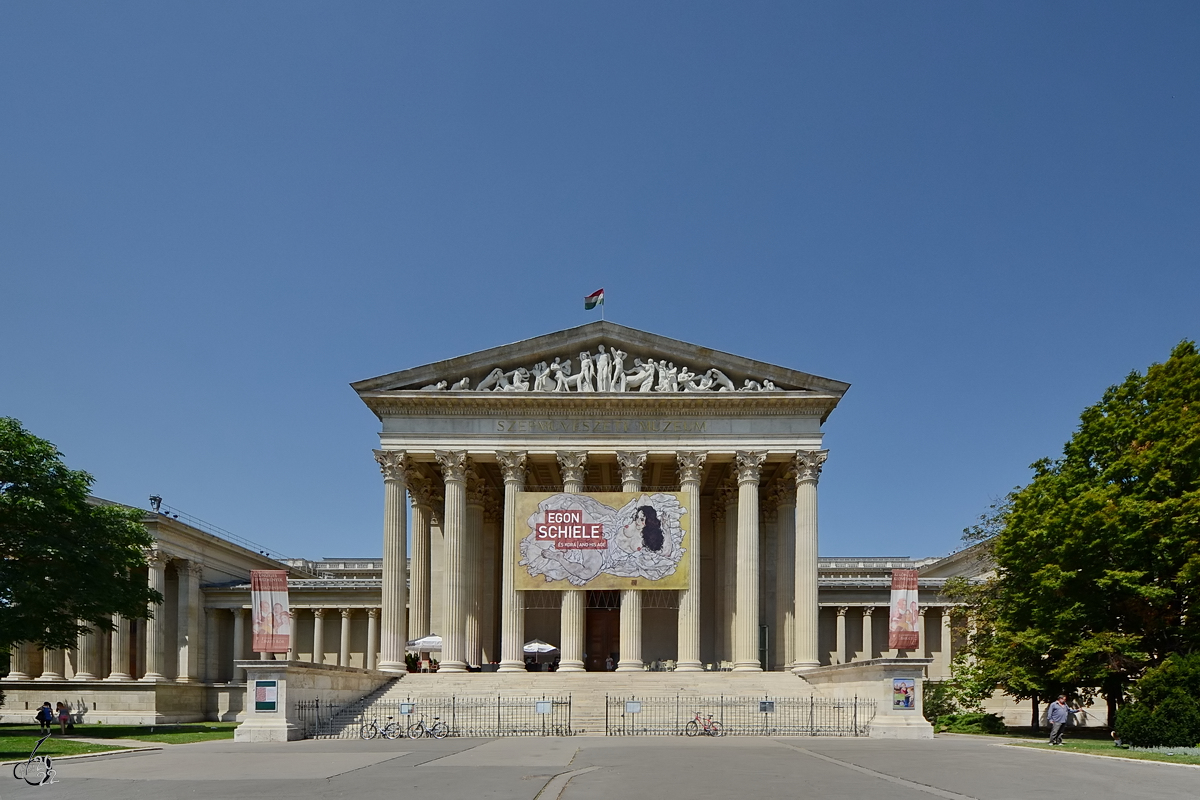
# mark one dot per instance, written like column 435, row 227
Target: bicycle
column 370, row 730
column 706, row 727
column 439, row 730
column 36, row 770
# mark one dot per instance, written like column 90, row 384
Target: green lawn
column 1097, row 747
column 17, row 740
column 17, row 745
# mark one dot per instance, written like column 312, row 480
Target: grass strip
column 16, row 748
column 1106, row 749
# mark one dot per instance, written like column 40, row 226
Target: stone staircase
column 588, row 691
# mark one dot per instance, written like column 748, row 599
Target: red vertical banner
column 269, row 610
column 904, row 619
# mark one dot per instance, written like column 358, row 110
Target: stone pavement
column 599, row 768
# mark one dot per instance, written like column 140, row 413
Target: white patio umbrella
column 425, row 644
column 539, row 648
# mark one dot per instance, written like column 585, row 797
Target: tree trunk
column 1036, row 721
column 1111, row 697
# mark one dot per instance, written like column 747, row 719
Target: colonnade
column 841, row 654
column 464, row 498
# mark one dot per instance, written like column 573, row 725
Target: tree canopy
column 66, row 561
column 1098, row 558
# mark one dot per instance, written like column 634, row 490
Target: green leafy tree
column 65, row 560
column 1098, row 558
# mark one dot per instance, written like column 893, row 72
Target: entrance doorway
column 603, row 638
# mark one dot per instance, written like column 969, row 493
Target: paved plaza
column 598, row 768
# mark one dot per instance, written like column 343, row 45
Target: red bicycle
column 706, row 727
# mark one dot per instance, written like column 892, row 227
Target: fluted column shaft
column 118, row 669
column 839, row 639
column 512, row 602
column 947, row 642
column 419, row 577
column 746, row 655
column 473, row 585
column 54, row 665
column 729, row 569
column 239, row 643
column 344, row 639
column 454, row 473
column 156, row 576
column 690, row 465
column 921, row 651
column 18, row 664
column 212, row 667
column 187, row 631
column 318, row 649
column 808, row 470
column 785, row 576
column 574, row 601
column 868, row 644
column 394, row 466
column 631, row 465
column 371, row 657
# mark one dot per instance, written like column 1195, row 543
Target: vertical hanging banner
column 269, row 609
column 904, row 620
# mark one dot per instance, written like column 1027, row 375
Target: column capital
column 749, row 465
column 477, row 489
column 632, row 464
column 155, row 556
column 512, row 465
column 572, row 464
column 718, row 512
column 808, row 465
column 420, row 489
column 190, row 568
column 868, row 610
column 347, row 613
column 453, row 463
column 393, row 464
column 373, row 613
column 318, row 613
column 493, row 508
column 841, row 612
column 690, row 464
column 921, row 611
column 784, row 488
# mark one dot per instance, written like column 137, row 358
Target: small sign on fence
column 545, row 706
column 266, row 695
column 633, row 707
column 406, row 709
column 766, row 706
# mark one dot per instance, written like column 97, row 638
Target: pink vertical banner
column 904, row 620
column 269, row 610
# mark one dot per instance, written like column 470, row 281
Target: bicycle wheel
column 416, row 730
column 368, row 731
column 692, row 728
column 715, row 729
column 392, row 731
column 440, row 730
column 36, row 773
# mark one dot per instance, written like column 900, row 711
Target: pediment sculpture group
column 605, row 372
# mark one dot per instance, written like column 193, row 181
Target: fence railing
column 488, row 716
column 739, row 716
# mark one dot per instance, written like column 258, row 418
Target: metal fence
column 739, row 716
column 489, row 716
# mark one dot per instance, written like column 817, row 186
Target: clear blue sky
column 215, row 216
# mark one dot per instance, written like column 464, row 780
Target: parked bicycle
column 705, row 727
column 370, row 730
column 35, row 770
column 439, row 730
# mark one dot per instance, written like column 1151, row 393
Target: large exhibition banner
column 272, row 621
column 904, row 621
column 603, row 540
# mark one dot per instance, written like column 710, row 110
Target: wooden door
column 603, row 638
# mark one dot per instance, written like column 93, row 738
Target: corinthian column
column 947, row 658
column 371, row 657
column 394, row 466
column 239, row 643
column 631, row 464
column 86, row 646
column 473, row 556
column 54, row 665
column 868, row 645
column 318, row 649
column 839, row 639
column 573, row 465
column 921, row 631
column 18, row 665
column 749, row 470
column 808, row 471
column 454, row 471
column 156, row 573
column 344, row 638
column 729, row 567
column 420, row 493
column 785, row 572
column 119, row 667
column 187, row 636
column 512, row 602
column 691, row 464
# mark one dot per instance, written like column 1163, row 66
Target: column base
column 49, row 676
column 804, row 666
column 154, row 677
column 570, row 666
column 453, row 666
column 16, row 676
column 392, row 666
column 511, row 666
column 84, row 676
column 119, row 676
column 629, row 666
column 689, row 666
column 747, row 666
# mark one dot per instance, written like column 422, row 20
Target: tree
column 1098, row 558
column 66, row 561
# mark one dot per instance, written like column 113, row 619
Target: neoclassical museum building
column 636, row 502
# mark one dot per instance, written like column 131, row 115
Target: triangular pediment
column 618, row 361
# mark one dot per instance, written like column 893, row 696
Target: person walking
column 44, row 717
column 1057, row 715
column 64, row 717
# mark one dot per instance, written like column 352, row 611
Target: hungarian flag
column 594, row 299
